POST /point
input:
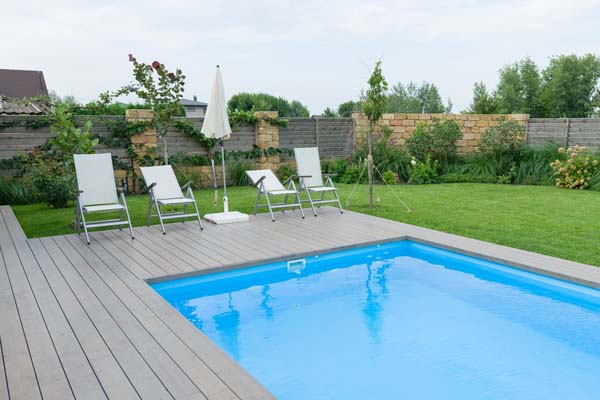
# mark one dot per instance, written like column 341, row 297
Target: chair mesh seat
column 280, row 192
column 167, row 202
column 322, row 189
column 103, row 207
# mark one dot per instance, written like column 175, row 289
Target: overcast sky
column 318, row 52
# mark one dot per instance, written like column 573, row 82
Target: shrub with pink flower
column 574, row 168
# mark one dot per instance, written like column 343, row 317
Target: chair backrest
column 309, row 164
column 167, row 186
column 270, row 183
column 95, row 178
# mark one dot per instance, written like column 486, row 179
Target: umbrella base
column 227, row 217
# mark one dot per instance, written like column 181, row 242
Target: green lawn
column 562, row 223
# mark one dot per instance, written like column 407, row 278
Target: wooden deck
column 79, row 321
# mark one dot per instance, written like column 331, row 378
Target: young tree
column 570, row 86
column 483, row 102
column 159, row 88
column 373, row 107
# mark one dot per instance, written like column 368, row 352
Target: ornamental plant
column 160, row 88
column 574, row 168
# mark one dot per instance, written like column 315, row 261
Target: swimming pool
column 400, row 320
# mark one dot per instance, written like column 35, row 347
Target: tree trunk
column 370, row 165
column 165, row 148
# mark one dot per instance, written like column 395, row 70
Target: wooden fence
column 565, row 131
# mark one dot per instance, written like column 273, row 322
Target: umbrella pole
column 225, row 200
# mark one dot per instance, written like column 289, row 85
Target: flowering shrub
column 574, row 168
column 424, row 172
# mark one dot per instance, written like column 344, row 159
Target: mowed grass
column 561, row 223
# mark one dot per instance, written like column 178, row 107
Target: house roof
column 18, row 108
column 188, row 102
column 20, row 83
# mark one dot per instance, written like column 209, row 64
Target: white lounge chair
column 311, row 177
column 97, row 192
column 165, row 191
column 269, row 185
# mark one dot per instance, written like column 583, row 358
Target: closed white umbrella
column 216, row 125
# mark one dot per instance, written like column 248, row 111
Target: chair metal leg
column 300, row 204
column 337, row 197
column 150, row 202
column 312, row 205
column 198, row 214
column 257, row 201
column 321, row 199
column 269, row 205
column 87, row 235
column 162, row 226
column 127, row 215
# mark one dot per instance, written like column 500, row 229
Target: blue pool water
column 400, row 321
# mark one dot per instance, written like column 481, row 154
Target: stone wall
column 402, row 125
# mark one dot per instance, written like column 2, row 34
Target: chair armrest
column 187, row 185
column 291, row 177
column 152, row 185
column 258, row 182
column 329, row 175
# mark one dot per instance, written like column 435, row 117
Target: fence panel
column 565, row 131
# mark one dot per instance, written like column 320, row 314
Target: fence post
column 267, row 136
column 567, row 129
column 317, row 131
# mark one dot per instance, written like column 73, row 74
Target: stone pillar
column 143, row 143
column 267, row 135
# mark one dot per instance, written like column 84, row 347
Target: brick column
column 267, row 135
column 144, row 143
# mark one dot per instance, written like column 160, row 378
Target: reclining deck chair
column 269, row 185
column 311, row 178
column 165, row 191
column 97, row 192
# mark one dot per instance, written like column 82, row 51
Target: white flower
column 413, row 162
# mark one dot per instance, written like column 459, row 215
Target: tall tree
column 483, row 101
column 571, row 86
column 411, row 98
column 267, row 102
column 373, row 106
column 346, row 109
column 519, row 89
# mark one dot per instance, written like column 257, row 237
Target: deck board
column 79, row 321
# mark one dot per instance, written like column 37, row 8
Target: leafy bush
column 424, row 172
column 353, row 173
column 390, row 177
column 455, row 177
column 285, row 171
column 504, row 144
column 54, row 181
column 474, row 164
column 437, row 140
column 237, row 172
column 69, row 139
column 184, row 177
column 13, row 191
column 576, row 171
column 387, row 155
column 189, row 160
column 337, row 167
